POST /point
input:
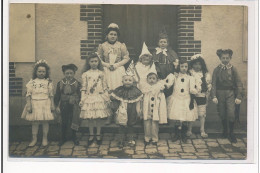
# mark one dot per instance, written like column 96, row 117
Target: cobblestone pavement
column 195, row 148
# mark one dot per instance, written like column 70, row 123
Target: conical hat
column 145, row 50
column 131, row 71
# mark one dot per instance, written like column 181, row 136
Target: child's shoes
column 232, row 138
column 154, row 143
column 189, row 133
column 177, row 134
column 146, row 143
column 34, row 141
column 90, row 140
column 131, row 143
column 203, row 135
column 120, row 144
column 44, row 141
column 99, row 140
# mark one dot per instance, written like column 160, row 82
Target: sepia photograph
column 128, row 81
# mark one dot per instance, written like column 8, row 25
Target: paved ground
column 195, row 148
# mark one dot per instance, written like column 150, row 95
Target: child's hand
column 81, row 103
column 52, row 108
column 215, row 100
column 58, row 110
column 29, row 108
column 237, row 101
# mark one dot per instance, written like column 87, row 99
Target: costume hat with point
column 145, row 51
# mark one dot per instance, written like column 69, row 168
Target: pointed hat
column 145, row 51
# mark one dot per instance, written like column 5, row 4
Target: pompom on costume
column 154, row 110
column 178, row 104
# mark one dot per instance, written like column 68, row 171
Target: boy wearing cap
column 66, row 100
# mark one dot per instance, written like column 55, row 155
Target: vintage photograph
column 109, row 81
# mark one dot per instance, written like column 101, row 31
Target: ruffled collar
column 128, row 95
column 159, row 50
column 224, row 67
column 70, row 82
column 196, row 74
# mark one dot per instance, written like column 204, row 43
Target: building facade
column 67, row 33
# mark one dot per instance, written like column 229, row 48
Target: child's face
column 146, row 60
column 93, row 62
column 112, row 36
column 184, row 68
column 128, row 81
column 225, row 59
column 196, row 66
column 152, row 79
column 163, row 43
column 69, row 74
column 41, row 72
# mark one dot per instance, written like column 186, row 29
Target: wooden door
column 139, row 23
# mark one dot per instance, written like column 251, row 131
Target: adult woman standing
column 114, row 55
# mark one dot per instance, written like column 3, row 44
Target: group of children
column 159, row 88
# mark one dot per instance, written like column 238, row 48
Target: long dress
column 68, row 96
column 96, row 98
column 143, row 71
column 178, row 104
column 113, row 54
column 40, row 91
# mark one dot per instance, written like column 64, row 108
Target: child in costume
column 126, row 100
column 144, row 66
column 66, row 100
column 180, row 106
column 154, row 108
column 94, row 97
column 165, row 59
column 203, row 83
column 226, row 91
column 39, row 106
column 114, row 55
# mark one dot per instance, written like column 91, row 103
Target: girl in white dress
column 114, row 55
column 94, row 97
column 39, row 106
column 180, row 106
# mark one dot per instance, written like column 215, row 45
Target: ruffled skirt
column 178, row 108
column 114, row 78
column 96, row 106
column 41, row 111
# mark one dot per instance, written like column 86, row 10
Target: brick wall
column 187, row 15
column 15, row 84
column 92, row 14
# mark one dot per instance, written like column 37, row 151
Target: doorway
column 139, row 23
